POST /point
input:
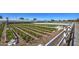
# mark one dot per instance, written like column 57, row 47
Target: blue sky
column 41, row 16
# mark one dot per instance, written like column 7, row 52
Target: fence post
column 64, row 36
column 71, row 39
column 73, row 34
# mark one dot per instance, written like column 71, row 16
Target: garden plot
column 35, row 34
column 31, row 34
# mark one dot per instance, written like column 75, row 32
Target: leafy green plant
column 9, row 35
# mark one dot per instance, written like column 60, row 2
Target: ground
column 76, row 40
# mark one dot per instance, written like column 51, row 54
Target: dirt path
column 3, row 38
column 76, row 40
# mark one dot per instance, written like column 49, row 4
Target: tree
column 21, row 18
column 52, row 20
column 7, row 18
column 77, row 20
column 34, row 19
column 1, row 17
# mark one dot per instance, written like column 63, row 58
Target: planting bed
column 1, row 29
column 32, row 34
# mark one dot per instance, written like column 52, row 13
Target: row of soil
column 24, row 36
column 38, row 27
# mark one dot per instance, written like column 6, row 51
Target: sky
column 41, row 16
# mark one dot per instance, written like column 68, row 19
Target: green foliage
column 21, row 18
column 1, row 29
column 9, row 35
column 27, row 38
column 33, row 29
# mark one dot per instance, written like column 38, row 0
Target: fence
column 66, row 37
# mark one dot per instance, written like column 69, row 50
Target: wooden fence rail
column 66, row 37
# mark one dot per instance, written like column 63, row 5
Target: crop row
column 38, row 27
column 34, row 29
column 9, row 35
column 1, row 28
column 27, row 38
column 30, row 32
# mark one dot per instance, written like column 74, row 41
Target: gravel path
column 76, row 40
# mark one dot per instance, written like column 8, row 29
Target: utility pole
column 7, row 21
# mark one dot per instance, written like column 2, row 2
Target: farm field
column 29, row 34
